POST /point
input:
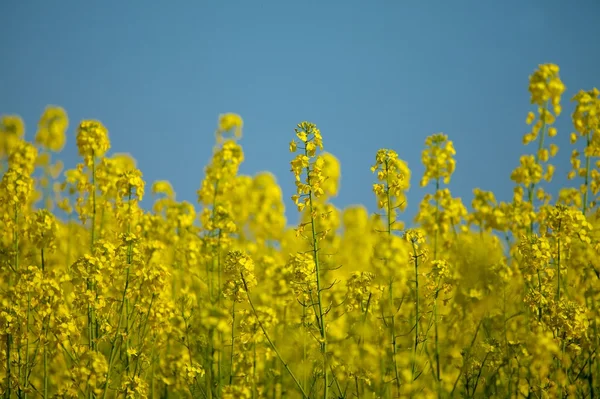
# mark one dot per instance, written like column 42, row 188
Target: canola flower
column 222, row 299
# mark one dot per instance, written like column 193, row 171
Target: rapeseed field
column 101, row 298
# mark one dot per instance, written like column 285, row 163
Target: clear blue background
column 371, row 74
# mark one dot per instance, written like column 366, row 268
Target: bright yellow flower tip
column 92, row 139
column 230, row 121
column 163, row 187
column 545, row 86
column 438, row 159
column 52, row 128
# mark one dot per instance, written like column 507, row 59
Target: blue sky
column 370, row 74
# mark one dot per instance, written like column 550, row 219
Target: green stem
column 90, row 285
column 9, row 336
column 298, row 385
column 232, row 343
column 391, row 289
column 8, row 368
column 322, row 323
column 435, row 304
column 46, row 325
column 26, row 377
column 416, row 344
column 45, row 359
column 123, row 311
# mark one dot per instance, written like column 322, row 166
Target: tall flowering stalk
column 92, row 142
column 586, row 121
column 307, row 168
column 440, row 218
column 16, row 189
column 218, row 227
column 546, row 90
column 393, row 178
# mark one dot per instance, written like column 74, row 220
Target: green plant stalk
column 93, row 229
column 113, row 347
column 213, row 386
column 504, row 322
column 123, row 310
column 186, row 343
column 91, row 313
column 19, row 370
column 479, row 374
column 129, row 262
column 361, row 340
column 322, row 324
column 143, row 326
column 393, row 332
column 45, row 356
column 8, row 375
column 254, row 368
column 208, row 375
column 391, row 289
column 46, row 325
column 435, row 304
column 142, row 330
column 219, row 296
column 9, row 336
column 89, row 285
column 414, row 360
column 304, row 349
column 219, row 300
column 26, row 377
column 179, row 232
column 298, row 385
column 152, row 379
column 274, row 364
column 597, row 338
column 232, row 343
column 210, row 351
column 462, row 369
column 437, row 346
column 337, row 384
column 208, row 358
column 34, row 357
